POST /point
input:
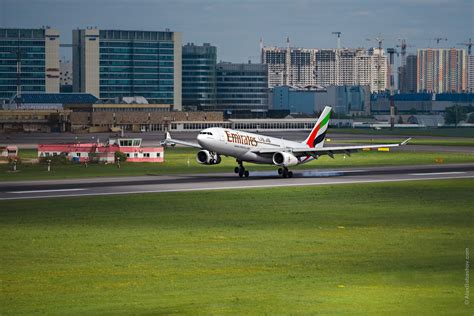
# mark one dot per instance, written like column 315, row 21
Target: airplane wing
column 169, row 141
column 330, row 151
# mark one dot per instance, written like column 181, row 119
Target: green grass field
column 176, row 161
column 386, row 248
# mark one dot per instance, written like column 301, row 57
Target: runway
column 218, row 181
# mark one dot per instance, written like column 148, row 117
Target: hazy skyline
column 236, row 27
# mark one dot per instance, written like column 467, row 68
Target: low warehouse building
column 100, row 152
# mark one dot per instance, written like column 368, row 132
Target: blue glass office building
column 199, row 76
column 115, row 63
column 28, row 61
column 311, row 99
column 242, row 89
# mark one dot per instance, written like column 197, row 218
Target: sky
column 236, row 27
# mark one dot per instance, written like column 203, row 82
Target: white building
column 325, row 67
column 470, row 73
column 289, row 66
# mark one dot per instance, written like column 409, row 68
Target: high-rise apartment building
column 118, row 63
column 407, row 75
column 29, row 61
column 324, row 67
column 470, row 73
column 289, row 66
column 326, row 71
column 441, row 70
column 199, row 76
column 372, row 69
column 242, row 88
column 339, row 67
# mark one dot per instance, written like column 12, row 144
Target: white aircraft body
column 249, row 147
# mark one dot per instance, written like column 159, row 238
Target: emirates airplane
column 247, row 147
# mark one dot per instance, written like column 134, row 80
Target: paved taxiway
column 32, row 140
column 216, row 181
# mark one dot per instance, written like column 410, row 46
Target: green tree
column 121, row 155
column 455, row 114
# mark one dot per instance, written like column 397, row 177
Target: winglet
column 405, row 141
column 168, row 136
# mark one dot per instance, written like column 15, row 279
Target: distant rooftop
column 55, row 98
column 454, row 97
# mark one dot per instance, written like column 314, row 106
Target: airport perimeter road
column 217, row 181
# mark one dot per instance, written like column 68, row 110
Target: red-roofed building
column 104, row 152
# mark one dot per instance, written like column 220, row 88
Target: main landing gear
column 285, row 173
column 241, row 170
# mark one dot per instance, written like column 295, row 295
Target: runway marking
column 436, row 173
column 347, row 171
column 46, row 191
column 241, row 188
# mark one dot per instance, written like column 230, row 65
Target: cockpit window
column 205, row 133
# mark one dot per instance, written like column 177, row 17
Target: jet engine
column 208, row 158
column 284, row 159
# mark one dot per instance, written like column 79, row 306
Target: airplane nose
column 201, row 139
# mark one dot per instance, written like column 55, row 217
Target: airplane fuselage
column 243, row 145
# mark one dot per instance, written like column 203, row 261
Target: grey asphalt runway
column 218, row 181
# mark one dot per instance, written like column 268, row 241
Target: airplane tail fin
column 316, row 138
column 167, row 140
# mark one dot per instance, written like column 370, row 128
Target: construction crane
column 338, row 39
column 338, row 70
column 468, row 44
column 391, row 51
column 438, row 39
column 261, row 50
column 403, row 50
column 379, row 41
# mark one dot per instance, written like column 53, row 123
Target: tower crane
column 379, row 40
column 338, row 69
column 468, row 44
column 391, row 51
column 438, row 39
column 338, row 34
column 403, row 50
